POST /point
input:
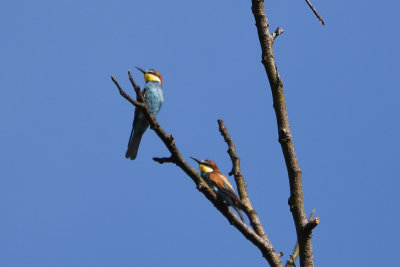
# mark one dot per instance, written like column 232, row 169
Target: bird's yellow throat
column 204, row 168
column 150, row 77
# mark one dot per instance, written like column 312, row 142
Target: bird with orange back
column 220, row 184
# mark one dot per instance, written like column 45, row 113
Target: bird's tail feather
column 133, row 145
column 240, row 213
column 234, row 201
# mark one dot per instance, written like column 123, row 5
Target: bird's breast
column 154, row 98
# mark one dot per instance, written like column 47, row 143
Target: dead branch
column 165, row 160
column 315, row 12
column 292, row 261
column 241, row 184
column 285, row 137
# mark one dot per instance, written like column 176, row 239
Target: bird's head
column 151, row 75
column 206, row 165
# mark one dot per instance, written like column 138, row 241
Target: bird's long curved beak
column 142, row 70
column 198, row 161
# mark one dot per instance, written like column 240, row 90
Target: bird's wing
column 225, row 187
column 216, row 180
column 235, row 199
column 226, row 181
column 136, row 117
column 138, row 113
column 220, row 181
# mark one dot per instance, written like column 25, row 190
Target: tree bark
column 285, row 137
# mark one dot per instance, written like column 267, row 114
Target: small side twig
column 123, row 94
column 139, row 94
column 310, row 226
column 292, row 261
column 277, row 32
column 165, row 160
column 315, row 12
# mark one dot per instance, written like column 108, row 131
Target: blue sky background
column 68, row 197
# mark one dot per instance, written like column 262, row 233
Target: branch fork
column 277, row 32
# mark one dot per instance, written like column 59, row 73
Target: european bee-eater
column 154, row 97
column 220, row 184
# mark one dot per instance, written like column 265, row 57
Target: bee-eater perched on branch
column 154, row 97
column 220, row 184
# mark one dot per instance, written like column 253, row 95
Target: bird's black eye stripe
column 207, row 164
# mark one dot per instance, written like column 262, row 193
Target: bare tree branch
column 165, row 160
column 285, row 137
column 310, row 226
column 241, row 184
column 139, row 94
column 263, row 244
column 125, row 95
column 277, row 32
column 292, row 261
column 315, row 12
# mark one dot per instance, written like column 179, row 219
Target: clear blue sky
column 68, row 197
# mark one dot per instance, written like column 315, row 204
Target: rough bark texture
column 295, row 254
column 285, row 138
column 241, row 185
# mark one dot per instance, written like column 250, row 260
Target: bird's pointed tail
column 133, row 145
column 239, row 212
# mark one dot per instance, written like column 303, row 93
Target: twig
column 285, row 137
column 125, row 95
column 165, row 160
column 139, row 94
column 310, row 226
column 241, row 184
column 263, row 244
column 277, row 32
column 292, row 261
column 315, row 12
column 311, row 215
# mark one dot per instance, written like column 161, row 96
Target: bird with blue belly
column 154, row 97
column 220, row 184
